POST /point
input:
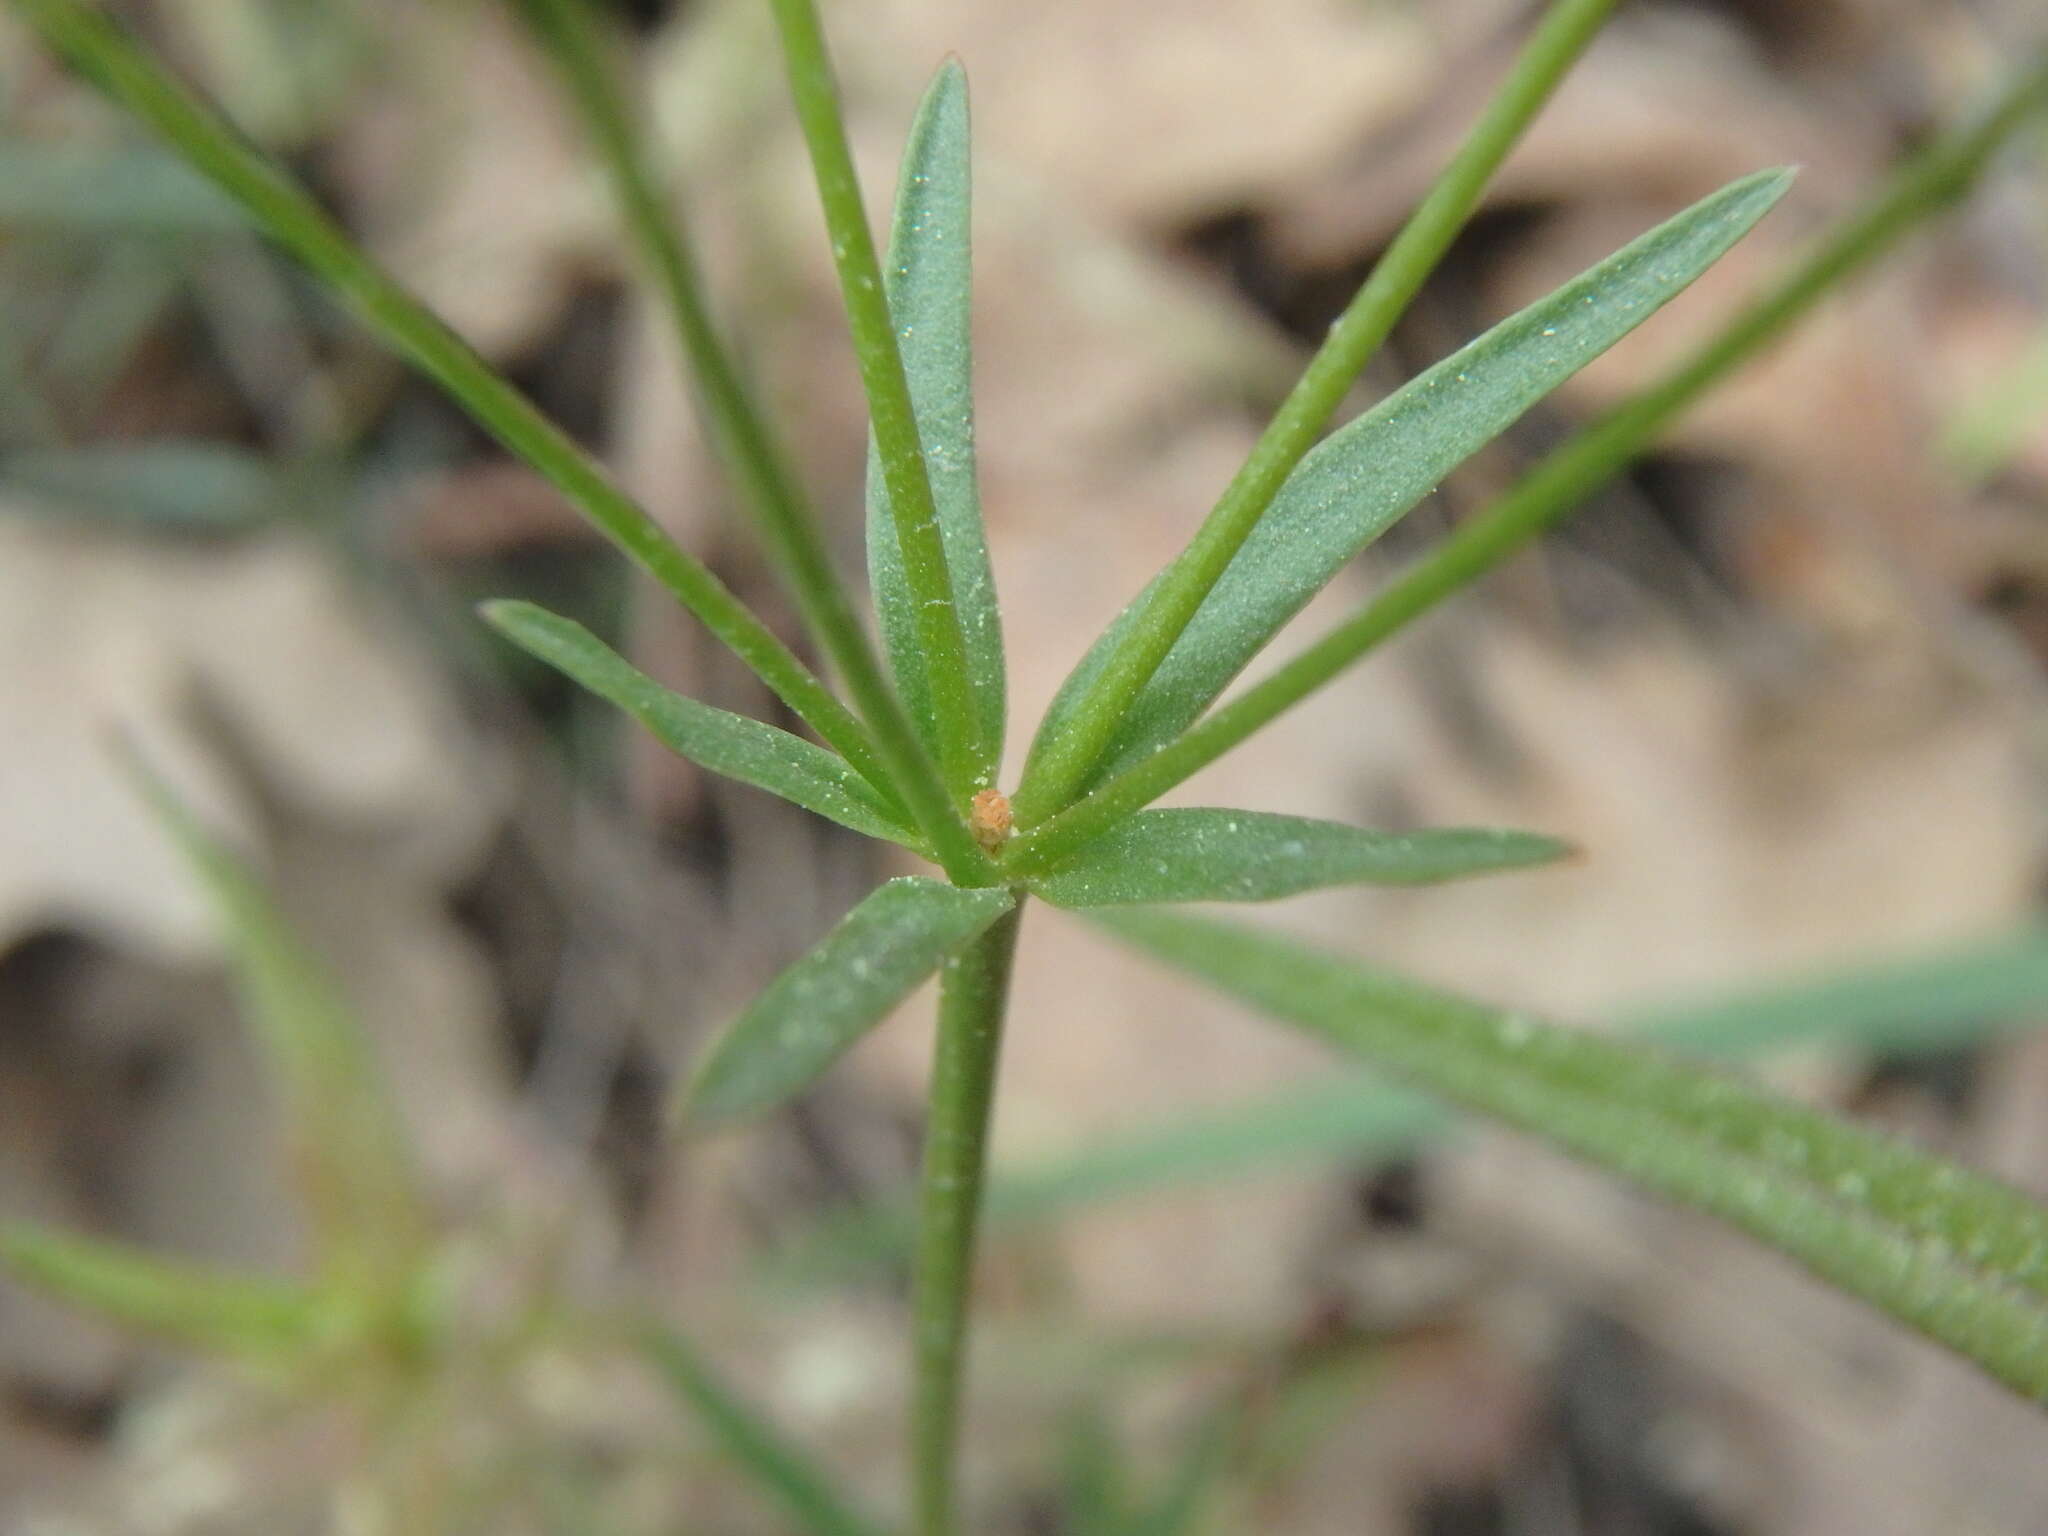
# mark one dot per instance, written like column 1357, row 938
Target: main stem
column 974, row 992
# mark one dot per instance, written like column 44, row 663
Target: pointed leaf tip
column 252, row 1317
column 748, row 751
column 817, row 1008
column 1370, row 473
column 929, row 277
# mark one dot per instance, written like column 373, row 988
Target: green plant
column 910, row 756
column 386, row 1325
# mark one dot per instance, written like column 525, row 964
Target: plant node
column 988, row 814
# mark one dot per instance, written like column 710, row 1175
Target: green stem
column 253, row 1317
column 104, row 54
column 767, row 485
column 1932, row 180
column 973, row 995
column 898, row 447
column 1068, row 758
column 776, row 1465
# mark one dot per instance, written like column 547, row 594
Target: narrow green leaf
column 767, row 483
column 348, row 1145
column 1219, row 855
column 256, row 1320
column 172, row 485
column 739, row 748
column 929, row 282
column 877, row 348
column 1948, row 1000
column 881, row 950
column 74, row 188
column 1560, row 36
column 1945, row 1000
column 1930, row 181
column 783, row 1472
column 1367, row 475
column 1953, row 1254
column 95, row 45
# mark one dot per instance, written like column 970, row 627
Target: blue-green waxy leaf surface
column 1956, row 1255
column 1368, row 474
column 178, row 485
column 1219, row 855
column 881, row 950
column 929, row 288
column 739, row 748
column 73, row 189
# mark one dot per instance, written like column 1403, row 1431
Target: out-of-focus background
column 1784, row 684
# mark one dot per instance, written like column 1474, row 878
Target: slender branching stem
column 1067, row 760
column 974, row 991
column 768, row 486
column 101, row 51
column 898, row 447
column 1926, row 184
column 779, row 1466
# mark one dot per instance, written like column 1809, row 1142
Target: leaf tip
column 708, row 1100
column 684, row 1119
column 692, row 1111
column 505, row 614
column 944, row 105
column 1776, row 181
